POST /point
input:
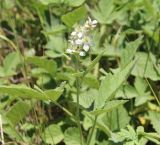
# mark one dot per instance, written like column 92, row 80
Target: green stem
column 78, row 106
column 154, row 94
column 92, row 130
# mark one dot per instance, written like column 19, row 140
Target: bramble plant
column 78, row 72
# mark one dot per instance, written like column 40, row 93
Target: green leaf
column 145, row 67
column 73, row 17
column 10, row 63
column 93, row 63
column 155, row 120
column 91, row 81
column 111, row 84
column 128, row 53
column 52, row 134
column 47, row 2
column 49, row 65
column 109, row 106
column 17, row 112
column 26, row 92
column 104, row 11
column 74, row 3
column 141, row 87
column 115, row 120
column 126, row 92
column 86, row 99
column 54, row 94
column 72, row 136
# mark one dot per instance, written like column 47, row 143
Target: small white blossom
column 73, row 33
column 90, row 23
column 80, row 39
column 80, row 34
column 86, row 47
column 69, row 50
column 82, row 53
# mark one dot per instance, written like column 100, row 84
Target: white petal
column 82, row 53
column 78, row 41
column 69, row 50
column 89, row 19
column 94, row 22
column 71, row 41
column 80, row 34
column 73, row 33
column 86, row 47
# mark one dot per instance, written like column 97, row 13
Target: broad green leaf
column 111, row 84
column 91, row 81
column 54, row 94
column 115, row 120
column 17, row 112
column 86, row 99
column 141, row 87
column 74, row 3
column 52, row 134
column 57, row 44
column 109, row 106
column 26, row 92
column 155, row 120
column 93, row 63
column 144, row 67
column 128, row 53
column 10, row 63
column 12, row 132
column 104, row 11
column 47, row 2
column 126, row 92
column 72, row 136
column 73, row 17
column 68, row 2
column 49, row 65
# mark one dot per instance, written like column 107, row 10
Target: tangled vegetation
column 80, row 72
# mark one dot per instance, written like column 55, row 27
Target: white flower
column 73, row 33
column 71, row 41
column 80, row 34
column 79, row 41
column 90, row 24
column 69, row 50
column 82, row 53
column 86, row 47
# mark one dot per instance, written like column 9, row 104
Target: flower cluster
column 80, row 40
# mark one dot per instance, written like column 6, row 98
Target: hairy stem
column 1, row 128
column 92, row 130
column 78, row 106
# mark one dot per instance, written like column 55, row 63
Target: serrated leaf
column 17, row 112
column 128, row 53
column 155, row 120
column 26, row 92
column 72, row 136
column 114, row 120
column 145, row 67
column 111, row 84
column 104, row 11
column 109, row 106
column 73, row 17
column 93, row 63
column 10, row 63
column 74, row 3
column 47, row 2
column 86, row 99
column 49, row 65
column 52, row 134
